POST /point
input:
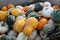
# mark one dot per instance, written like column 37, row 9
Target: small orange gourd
column 4, row 8
column 41, row 23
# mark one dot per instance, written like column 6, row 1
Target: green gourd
column 34, row 14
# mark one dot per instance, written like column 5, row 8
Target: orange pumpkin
column 28, row 30
column 10, row 6
column 26, row 8
column 41, row 23
column 4, row 8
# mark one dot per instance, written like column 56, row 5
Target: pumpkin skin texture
column 47, row 11
column 6, row 37
column 10, row 6
column 41, row 23
column 38, row 7
column 15, row 12
column 28, row 12
column 19, row 25
column 34, row 14
column 3, row 15
column 56, row 16
column 32, row 21
column 4, row 8
column 3, row 27
column 21, row 36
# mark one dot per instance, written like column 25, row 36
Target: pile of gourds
column 40, row 21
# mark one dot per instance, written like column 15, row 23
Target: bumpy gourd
column 47, row 11
column 34, row 14
column 21, row 36
column 38, row 7
column 19, row 25
column 3, row 15
column 3, row 27
column 56, row 16
column 41, row 23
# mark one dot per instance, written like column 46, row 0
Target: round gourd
column 41, row 23
column 21, row 36
column 32, row 21
column 3, row 27
column 6, row 37
column 34, row 14
column 15, row 12
column 47, row 11
column 19, row 25
column 38, row 7
column 47, row 4
column 19, row 17
column 28, row 30
column 56, row 16
column 3, row 15
column 4, row 8
column 10, row 20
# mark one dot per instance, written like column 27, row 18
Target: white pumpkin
column 19, row 7
column 3, row 27
column 47, row 4
column 47, row 11
column 33, row 35
column 12, row 33
column 19, row 17
column 32, row 6
column 21, row 36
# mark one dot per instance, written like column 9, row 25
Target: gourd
column 6, row 37
column 56, row 7
column 47, row 11
column 3, row 15
column 28, row 12
column 31, row 21
column 41, row 23
column 33, row 35
column 4, row 8
column 3, row 27
column 32, row 6
column 49, row 28
column 19, row 17
column 19, row 25
column 10, row 20
column 31, row 24
column 15, row 12
column 38, row 7
column 56, row 16
column 34, row 14
column 47, row 4
column 38, row 37
column 21, row 36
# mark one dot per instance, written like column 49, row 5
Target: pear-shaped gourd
column 34, row 14
column 47, row 11
column 21, row 36
column 15, row 12
column 3, row 27
column 3, row 15
column 19, row 25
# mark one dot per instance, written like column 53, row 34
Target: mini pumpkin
column 15, row 12
column 41, row 23
column 3, row 15
column 21, row 36
column 47, row 11
column 3, row 27
column 19, row 25
column 10, row 6
column 34, row 14
column 4, row 8
column 38, row 7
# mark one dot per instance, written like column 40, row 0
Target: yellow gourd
column 3, row 15
column 19, row 25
